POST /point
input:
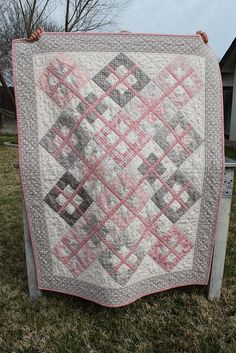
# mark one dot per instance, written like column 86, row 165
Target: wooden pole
column 218, row 261
column 34, row 291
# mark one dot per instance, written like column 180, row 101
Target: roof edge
column 228, row 53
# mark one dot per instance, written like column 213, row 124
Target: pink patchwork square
column 122, row 217
column 179, row 67
column 122, row 183
column 137, row 138
column 106, row 137
column 121, row 122
column 106, row 200
column 138, row 199
column 61, row 80
column 75, row 252
column 170, row 249
column 178, row 81
column 178, row 241
column 165, row 81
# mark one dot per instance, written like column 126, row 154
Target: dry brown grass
column 175, row 321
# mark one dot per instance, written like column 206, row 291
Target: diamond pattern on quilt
column 61, row 80
column 179, row 81
column 176, row 196
column 67, row 199
column 73, row 255
column 122, row 149
column 120, row 73
column 178, row 139
column 66, row 139
column 129, row 148
column 160, row 168
column 121, row 122
column 122, row 184
column 119, row 254
column 170, row 253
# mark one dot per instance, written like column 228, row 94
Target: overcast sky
column 216, row 17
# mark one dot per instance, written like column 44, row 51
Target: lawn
column 174, row 321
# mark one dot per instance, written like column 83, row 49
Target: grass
column 174, row 321
column 8, row 138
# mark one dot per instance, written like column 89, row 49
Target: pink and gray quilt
column 121, row 160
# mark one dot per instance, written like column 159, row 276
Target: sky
column 216, row 18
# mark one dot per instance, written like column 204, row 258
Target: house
column 228, row 70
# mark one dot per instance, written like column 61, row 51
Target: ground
column 174, row 321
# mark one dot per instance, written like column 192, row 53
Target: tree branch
column 31, row 15
column 40, row 14
column 23, row 15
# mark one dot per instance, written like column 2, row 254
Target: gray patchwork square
column 52, row 199
column 122, row 59
column 162, row 197
column 160, row 168
column 121, row 99
column 165, row 138
column 101, row 79
column 84, row 110
column 101, row 107
column 108, row 260
column 120, row 246
column 138, row 76
column 63, row 143
column 142, row 79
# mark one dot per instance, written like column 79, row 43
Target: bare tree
column 88, row 15
column 20, row 18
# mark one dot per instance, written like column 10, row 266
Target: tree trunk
column 67, row 15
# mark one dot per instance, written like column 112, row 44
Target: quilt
column 121, row 161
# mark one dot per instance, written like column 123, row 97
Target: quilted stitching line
column 152, row 167
column 149, row 228
column 136, row 185
column 123, row 202
column 113, row 250
column 179, row 82
column 111, row 127
column 117, row 134
column 134, row 247
column 108, row 186
column 61, row 79
column 89, row 106
column 151, row 109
